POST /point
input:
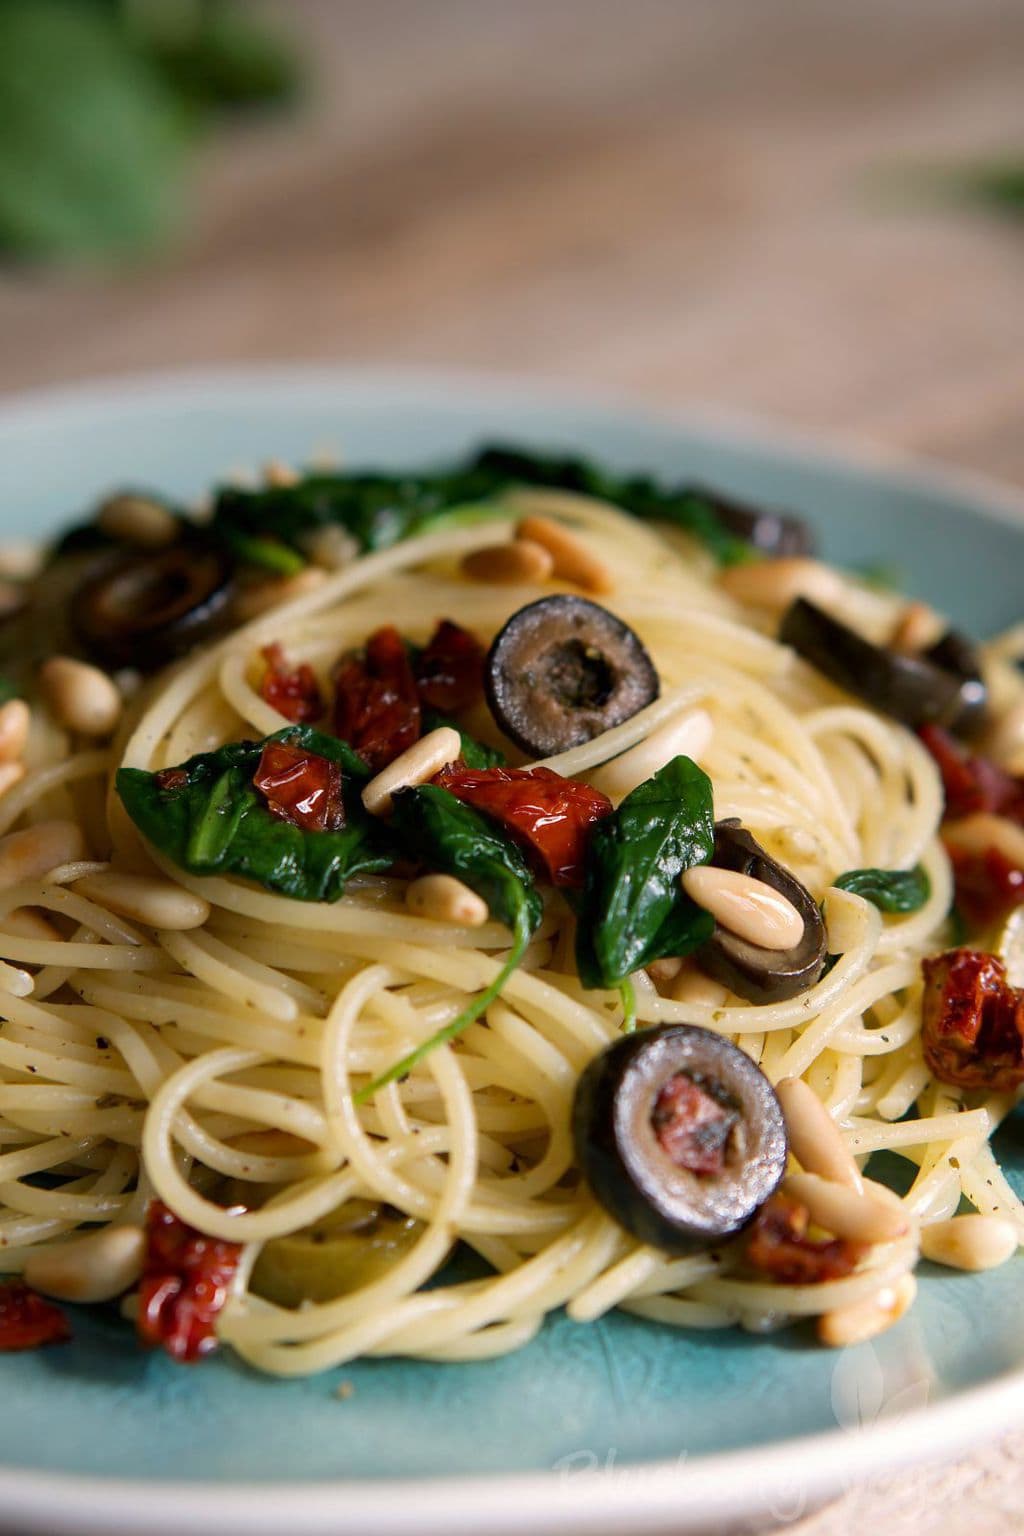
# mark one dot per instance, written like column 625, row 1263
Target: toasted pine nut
column 662, row 972
column 1005, row 742
column 80, row 696
column 846, row 1212
column 917, row 626
column 518, row 562
column 747, row 907
column 277, row 472
column 27, row 923
column 415, row 765
column 93, row 1268
column 866, row 1319
column 10, row 774
column 12, row 598
column 774, row 584
column 981, row 830
column 15, row 981
column 262, row 596
column 573, row 560
column 330, row 547
column 692, row 986
column 970, row 1242
column 34, row 851
column 15, row 719
column 138, row 520
column 686, row 735
column 446, row 900
column 146, row 899
column 814, row 1138
column 21, row 560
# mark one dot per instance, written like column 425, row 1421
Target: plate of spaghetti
column 511, row 961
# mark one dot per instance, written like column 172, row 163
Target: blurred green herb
column 997, row 184
column 101, row 104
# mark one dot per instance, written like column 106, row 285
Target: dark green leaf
column 890, row 890
column 475, row 754
column 216, row 54
column 217, row 823
column 92, row 143
column 451, row 838
column 633, row 909
column 7, row 691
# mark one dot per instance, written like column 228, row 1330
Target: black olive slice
column 773, row 533
column 940, row 686
column 756, row 974
column 147, row 609
column 679, row 1136
column 562, row 671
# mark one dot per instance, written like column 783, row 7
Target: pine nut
column 156, row 903
column 513, row 564
column 917, row 626
column 814, row 1138
column 774, row 584
column 15, row 719
column 93, row 1268
column 415, row 765
column 444, row 899
column 330, row 547
column 1005, row 743
column 863, row 1320
column 13, row 598
column 277, row 473
column 262, row 596
column 574, row 562
column 34, row 851
column 21, row 560
column 10, row 774
column 687, row 735
column 749, row 908
column 138, row 520
column 846, row 1212
column 970, row 1242
column 981, row 830
column 663, row 972
column 80, row 697
column 692, row 986
column 27, row 923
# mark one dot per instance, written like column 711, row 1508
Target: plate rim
column 678, row 1495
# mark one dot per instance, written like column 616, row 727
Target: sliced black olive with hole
column 773, row 533
column 679, row 1136
column 939, row 686
column 563, row 670
column 756, row 974
column 150, row 608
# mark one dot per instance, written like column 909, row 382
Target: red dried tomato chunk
column 376, row 705
column 550, row 815
column 171, row 778
column 691, row 1126
column 972, row 1021
column 450, row 669
column 988, row 885
column 185, row 1283
column 293, row 691
column 301, row 787
column 778, row 1246
column 28, row 1321
column 972, row 782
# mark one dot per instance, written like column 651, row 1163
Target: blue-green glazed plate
column 615, row 1426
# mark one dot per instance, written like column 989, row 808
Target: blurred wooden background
column 686, row 201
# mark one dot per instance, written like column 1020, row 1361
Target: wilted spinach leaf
column 890, row 890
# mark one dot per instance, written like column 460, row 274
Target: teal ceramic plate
column 619, row 1425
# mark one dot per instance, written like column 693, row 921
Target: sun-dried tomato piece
column 376, row 704
column 450, row 669
column 185, row 1283
column 972, row 1021
column 293, row 691
column 778, row 1246
column 691, row 1126
column 28, row 1321
column 549, row 815
column 972, row 782
column 171, row 778
column 988, row 885
column 301, row 787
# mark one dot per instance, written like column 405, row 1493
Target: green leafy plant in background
column 102, row 104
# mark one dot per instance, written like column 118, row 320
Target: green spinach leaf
column 475, row 754
column 216, row 822
column 890, row 890
column 633, row 909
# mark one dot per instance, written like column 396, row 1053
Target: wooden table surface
column 689, row 202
